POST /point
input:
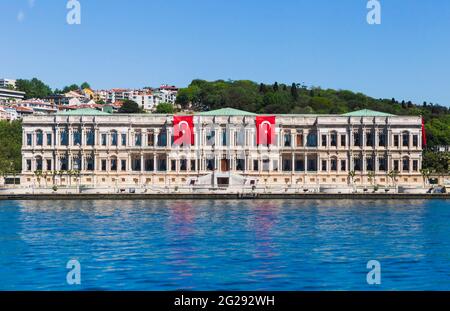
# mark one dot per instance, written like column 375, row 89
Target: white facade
column 5, row 83
column 309, row 151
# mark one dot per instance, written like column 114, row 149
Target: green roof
column 226, row 112
column 367, row 113
column 83, row 112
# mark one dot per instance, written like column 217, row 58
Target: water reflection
column 234, row 245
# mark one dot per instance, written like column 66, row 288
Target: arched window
column 405, row 139
column 333, row 164
column 114, row 163
column 114, row 138
column 39, row 138
column 405, row 164
column 333, row 139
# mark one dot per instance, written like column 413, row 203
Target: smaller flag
column 424, row 133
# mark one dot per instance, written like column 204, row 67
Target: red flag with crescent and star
column 183, row 130
column 424, row 134
column 265, row 130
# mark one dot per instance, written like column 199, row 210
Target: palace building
column 230, row 149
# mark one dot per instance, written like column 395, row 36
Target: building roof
column 367, row 113
column 226, row 112
column 83, row 112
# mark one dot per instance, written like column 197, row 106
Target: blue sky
column 323, row 43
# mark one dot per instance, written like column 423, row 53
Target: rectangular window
column 265, row 165
column 239, row 138
column 356, row 139
column 312, row 165
column 138, row 139
column 90, row 138
column 114, row 139
column 29, row 139
column 49, row 139
column 382, row 139
column 415, row 140
column 123, row 165
column 299, row 140
column 136, row 164
column 103, row 139
column 39, row 138
column 77, row 138
column 150, row 139
column 49, row 165
column 343, row 140
column 406, row 164
column 149, row 165
column 113, row 164
column 415, row 165
column 90, row 164
column 299, row 165
column 405, row 140
column 173, row 165
column 287, row 165
column 311, row 140
column 382, row 164
column 396, row 141
column 324, row 165
column 162, row 165
column 28, row 165
column 369, row 139
column 324, row 140
column 210, row 164
column 162, row 139
column 343, row 165
column 255, row 165
column 333, row 141
column 124, row 139
column 333, row 165
column 224, row 137
column 103, row 165
column 64, row 138
column 240, row 164
column 396, row 166
column 275, row 165
column 193, row 166
column 357, row 164
column 287, row 139
column 39, row 164
column 210, row 138
column 369, row 164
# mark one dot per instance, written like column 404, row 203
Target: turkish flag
column 424, row 134
column 183, row 127
column 265, row 130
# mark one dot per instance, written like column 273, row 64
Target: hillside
column 246, row 95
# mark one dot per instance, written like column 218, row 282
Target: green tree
column 85, row 85
column 275, row 87
column 73, row 87
column 130, row 106
column 33, row 88
column 165, row 108
column 294, row 91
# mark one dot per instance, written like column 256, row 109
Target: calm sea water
column 225, row 245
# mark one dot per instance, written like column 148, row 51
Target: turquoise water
column 225, row 245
